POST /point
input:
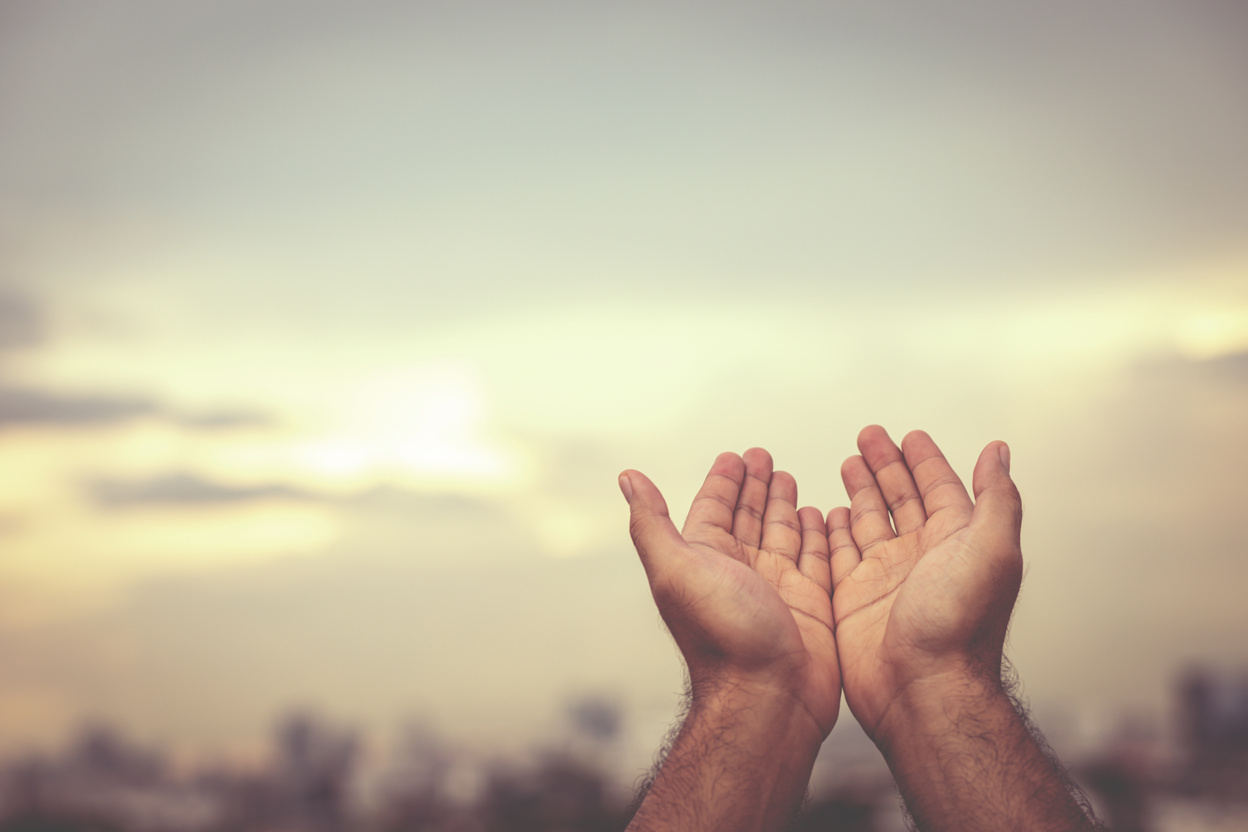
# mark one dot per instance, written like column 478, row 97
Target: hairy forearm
column 965, row 759
column 741, row 761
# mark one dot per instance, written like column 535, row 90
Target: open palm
column 928, row 592
column 745, row 587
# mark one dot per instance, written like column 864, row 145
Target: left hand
column 745, row 589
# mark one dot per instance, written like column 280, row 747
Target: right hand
column 929, row 601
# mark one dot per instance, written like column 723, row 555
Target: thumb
column 652, row 529
column 997, row 502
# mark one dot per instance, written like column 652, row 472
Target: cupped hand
column 927, row 594
column 745, row 587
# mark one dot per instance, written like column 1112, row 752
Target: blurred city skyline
column 325, row 331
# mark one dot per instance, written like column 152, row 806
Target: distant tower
column 1213, row 724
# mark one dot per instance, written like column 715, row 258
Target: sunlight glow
column 422, row 426
column 1213, row 333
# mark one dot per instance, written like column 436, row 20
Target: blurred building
column 1143, row 779
column 1213, row 726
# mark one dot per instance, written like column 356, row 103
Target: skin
column 745, row 590
column 931, row 598
column 922, row 580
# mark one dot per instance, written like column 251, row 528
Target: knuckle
column 637, row 528
column 902, row 501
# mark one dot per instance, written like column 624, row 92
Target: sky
column 325, row 331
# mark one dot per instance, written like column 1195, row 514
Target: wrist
column 964, row 758
column 741, row 761
column 941, row 706
column 761, row 714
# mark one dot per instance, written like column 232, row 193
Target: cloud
column 1233, row 367
column 183, row 489
column 30, row 406
column 223, row 419
column 26, row 406
column 394, row 509
column 22, row 322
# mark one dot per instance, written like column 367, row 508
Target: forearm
column 964, row 759
column 741, row 762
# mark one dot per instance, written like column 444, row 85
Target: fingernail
column 1004, row 450
column 626, row 488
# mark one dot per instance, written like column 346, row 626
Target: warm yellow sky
column 325, row 333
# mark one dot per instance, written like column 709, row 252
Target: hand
column 930, row 599
column 745, row 589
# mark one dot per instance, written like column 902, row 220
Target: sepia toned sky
column 325, row 331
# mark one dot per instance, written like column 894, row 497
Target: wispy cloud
column 21, row 320
column 184, row 489
column 222, row 419
column 1232, row 367
column 32, row 406
column 28, row 406
column 24, row 323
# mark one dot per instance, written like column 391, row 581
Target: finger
column 843, row 553
column 885, row 460
column 997, row 502
column 868, row 513
column 781, row 532
column 649, row 523
column 716, row 500
column 747, row 521
column 813, row 559
column 940, row 487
